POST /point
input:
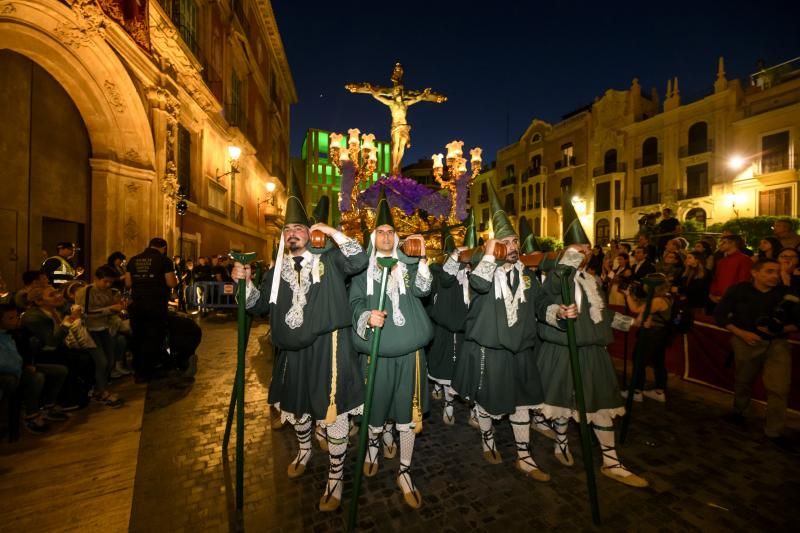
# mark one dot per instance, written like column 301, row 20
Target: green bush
column 549, row 244
column 752, row 229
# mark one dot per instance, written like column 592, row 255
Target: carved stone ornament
column 133, row 156
column 8, row 9
column 114, row 96
column 131, row 230
column 90, row 22
column 132, row 187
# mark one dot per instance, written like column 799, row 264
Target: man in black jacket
column 760, row 313
column 644, row 265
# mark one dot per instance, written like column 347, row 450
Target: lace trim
column 451, row 266
column 252, row 297
column 622, row 322
column 572, row 258
column 551, row 317
column 395, row 287
column 350, row 248
column 300, row 287
column 592, row 290
column 362, row 325
column 463, row 280
column 601, row 416
column 511, row 300
column 294, row 418
column 485, row 270
column 424, row 278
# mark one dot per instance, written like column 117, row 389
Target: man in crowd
column 732, row 268
column 59, row 268
column 644, row 265
column 319, row 378
column 760, row 313
column 497, row 368
column 30, row 280
column 593, row 323
column 151, row 277
column 400, row 395
column 448, row 310
column 650, row 252
column 668, row 228
column 784, row 232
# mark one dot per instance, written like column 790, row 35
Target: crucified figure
column 398, row 99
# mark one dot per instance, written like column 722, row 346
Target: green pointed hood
column 500, row 223
column 322, row 210
column 383, row 215
column 295, row 210
column 448, row 243
column 527, row 241
column 471, row 235
column 573, row 231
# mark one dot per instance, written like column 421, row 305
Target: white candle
column 353, row 133
column 475, row 154
column 335, row 140
column 454, row 149
column 368, row 141
column 373, row 154
column 437, row 160
column 344, row 155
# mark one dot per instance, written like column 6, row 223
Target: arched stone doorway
column 125, row 206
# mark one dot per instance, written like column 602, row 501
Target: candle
column 368, row 141
column 335, row 140
column 373, row 154
column 437, row 160
column 475, row 153
column 353, row 133
column 344, row 155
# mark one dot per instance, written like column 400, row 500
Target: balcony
column 532, row 172
column 483, row 198
column 238, row 9
column 639, row 201
column 565, row 163
column 775, row 163
column 235, row 116
column 609, row 169
column 237, row 213
column 212, row 78
column 510, row 180
column 696, row 149
column 655, row 159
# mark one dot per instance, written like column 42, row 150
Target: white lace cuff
column 622, row 322
column 251, row 295
column 348, row 246
column 424, row 277
column 451, row 266
column 361, row 326
column 485, row 269
column 551, row 317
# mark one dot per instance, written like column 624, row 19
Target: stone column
column 165, row 110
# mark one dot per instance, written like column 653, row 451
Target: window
column 184, row 160
column 567, row 154
column 775, row 202
column 484, row 193
column 617, row 225
column 602, row 196
column 509, row 204
column 235, row 112
column 537, row 202
column 484, row 219
column 183, row 13
column 530, row 196
column 649, row 190
column 698, row 214
column 697, row 181
column 537, row 226
column 650, row 152
column 566, row 186
column 602, row 232
column 536, row 138
column 617, row 194
column 698, row 138
column 775, row 152
column 510, row 172
column 610, row 161
column 536, row 165
column 524, row 203
column 216, row 196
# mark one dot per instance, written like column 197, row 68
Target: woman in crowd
column 657, row 324
column 595, row 266
column 790, row 275
column 117, row 261
column 705, row 248
column 672, row 267
column 695, row 280
column 768, row 248
column 616, row 277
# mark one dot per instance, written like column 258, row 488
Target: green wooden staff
column 650, row 284
column 243, row 322
column 565, row 272
column 386, row 263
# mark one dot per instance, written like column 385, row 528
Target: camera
column 782, row 315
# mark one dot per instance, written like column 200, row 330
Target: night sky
column 502, row 64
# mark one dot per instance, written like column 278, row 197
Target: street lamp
column 736, row 162
column 733, row 199
column 269, row 200
column 234, row 152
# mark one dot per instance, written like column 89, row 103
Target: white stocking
column 388, row 439
column 303, row 431
column 406, row 453
column 560, row 426
column 487, row 432
column 449, row 394
column 604, row 429
column 521, row 425
column 337, row 449
column 374, row 444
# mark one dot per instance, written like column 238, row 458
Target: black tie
column 510, row 276
column 297, row 266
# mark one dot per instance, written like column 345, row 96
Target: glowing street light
column 736, row 162
column 234, row 152
column 270, row 185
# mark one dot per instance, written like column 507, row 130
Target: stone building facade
column 731, row 153
column 119, row 106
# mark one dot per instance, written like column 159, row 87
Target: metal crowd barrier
column 205, row 296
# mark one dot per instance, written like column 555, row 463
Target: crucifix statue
column 398, row 99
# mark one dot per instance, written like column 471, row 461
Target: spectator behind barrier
column 732, row 268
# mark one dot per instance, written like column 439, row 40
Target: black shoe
column 735, row 419
column 36, row 426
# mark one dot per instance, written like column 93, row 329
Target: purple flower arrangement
column 404, row 193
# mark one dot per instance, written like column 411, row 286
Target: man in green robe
column 317, row 375
column 406, row 330
column 497, row 367
column 448, row 311
column 593, row 332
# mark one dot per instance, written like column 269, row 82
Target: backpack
column 681, row 316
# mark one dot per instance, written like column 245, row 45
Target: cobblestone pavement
column 704, row 475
